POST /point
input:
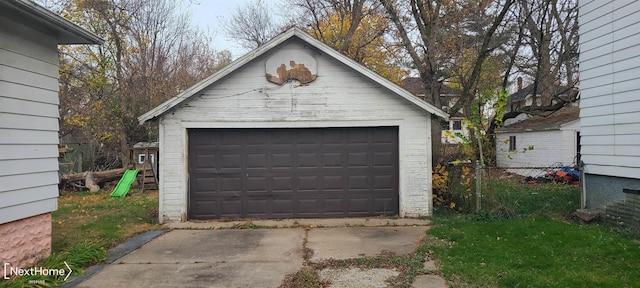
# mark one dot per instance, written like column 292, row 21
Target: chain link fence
column 507, row 191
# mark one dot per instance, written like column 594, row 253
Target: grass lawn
column 524, row 238
column 86, row 225
column 533, row 252
column 96, row 218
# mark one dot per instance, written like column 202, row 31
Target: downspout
column 583, row 193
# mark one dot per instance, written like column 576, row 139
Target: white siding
column 339, row 97
column 570, row 142
column 28, row 122
column 547, row 149
column 609, row 77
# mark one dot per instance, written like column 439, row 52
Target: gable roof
column 300, row 34
column 521, row 94
column 528, row 90
column 551, row 121
column 35, row 16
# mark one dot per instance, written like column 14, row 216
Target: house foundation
column 25, row 241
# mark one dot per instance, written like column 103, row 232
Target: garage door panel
column 308, row 183
column 231, row 206
column 229, row 161
column 384, row 159
column 358, row 159
column 384, row 204
column 385, row 137
column 284, row 173
column 357, row 137
column 282, row 160
column 308, row 159
column 257, row 139
column 331, row 159
column 282, row 206
column 206, row 161
column 280, row 184
column 383, row 182
column 256, row 160
column 204, row 183
column 361, row 204
column 309, row 138
column 231, row 184
column 335, row 204
column 308, row 206
column 257, row 184
column 358, row 182
column 332, row 183
column 205, row 208
column 257, row 207
column 330, row 138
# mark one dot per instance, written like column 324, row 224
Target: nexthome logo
column 10, row 271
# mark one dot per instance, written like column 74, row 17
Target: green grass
column 511, row 199
column 533, row 252
column 96, row 218
column 77, row 257
column 86, row 225
column 522, row 238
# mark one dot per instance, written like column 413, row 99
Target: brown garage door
column 285, row 173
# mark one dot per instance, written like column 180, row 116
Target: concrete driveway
column 251, row 257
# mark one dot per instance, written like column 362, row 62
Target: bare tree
column 430, row 29
column 550, row 36
column 151, row 54
column 252, row 25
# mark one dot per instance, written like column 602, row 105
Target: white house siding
column 28, row 122
column 609, row 88
column 569, row 147
column 339, row 97
column 547, row 145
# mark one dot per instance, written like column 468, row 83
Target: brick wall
column 26, row 241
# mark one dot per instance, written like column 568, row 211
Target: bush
column 452, row 187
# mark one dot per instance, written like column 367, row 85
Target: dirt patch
column 357, row 277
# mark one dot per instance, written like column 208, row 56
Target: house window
column 141, row 158
column 512, row 143
column 457, row 125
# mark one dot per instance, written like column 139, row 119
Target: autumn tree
column 357, row 29
column 150, row 55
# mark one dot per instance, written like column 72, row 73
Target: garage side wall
column 339, row 97
column 547, row 149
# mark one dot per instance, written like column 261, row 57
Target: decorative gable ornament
column 286, row 65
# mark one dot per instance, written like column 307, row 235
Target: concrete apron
column 252, row 257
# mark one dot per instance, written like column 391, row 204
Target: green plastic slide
column 123, row 186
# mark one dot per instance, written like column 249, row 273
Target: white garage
column 294, row 129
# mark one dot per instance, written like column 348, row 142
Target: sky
column 207, row 15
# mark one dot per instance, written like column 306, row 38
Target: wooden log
column 92, row 180
column 90, row 183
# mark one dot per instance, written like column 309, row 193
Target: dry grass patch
column 95, row 218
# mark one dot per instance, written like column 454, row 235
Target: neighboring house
column 294, row 129
column 448, row 97
column 554, row 138
column 523, row 97
column 29, row 35
column 610, row 101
